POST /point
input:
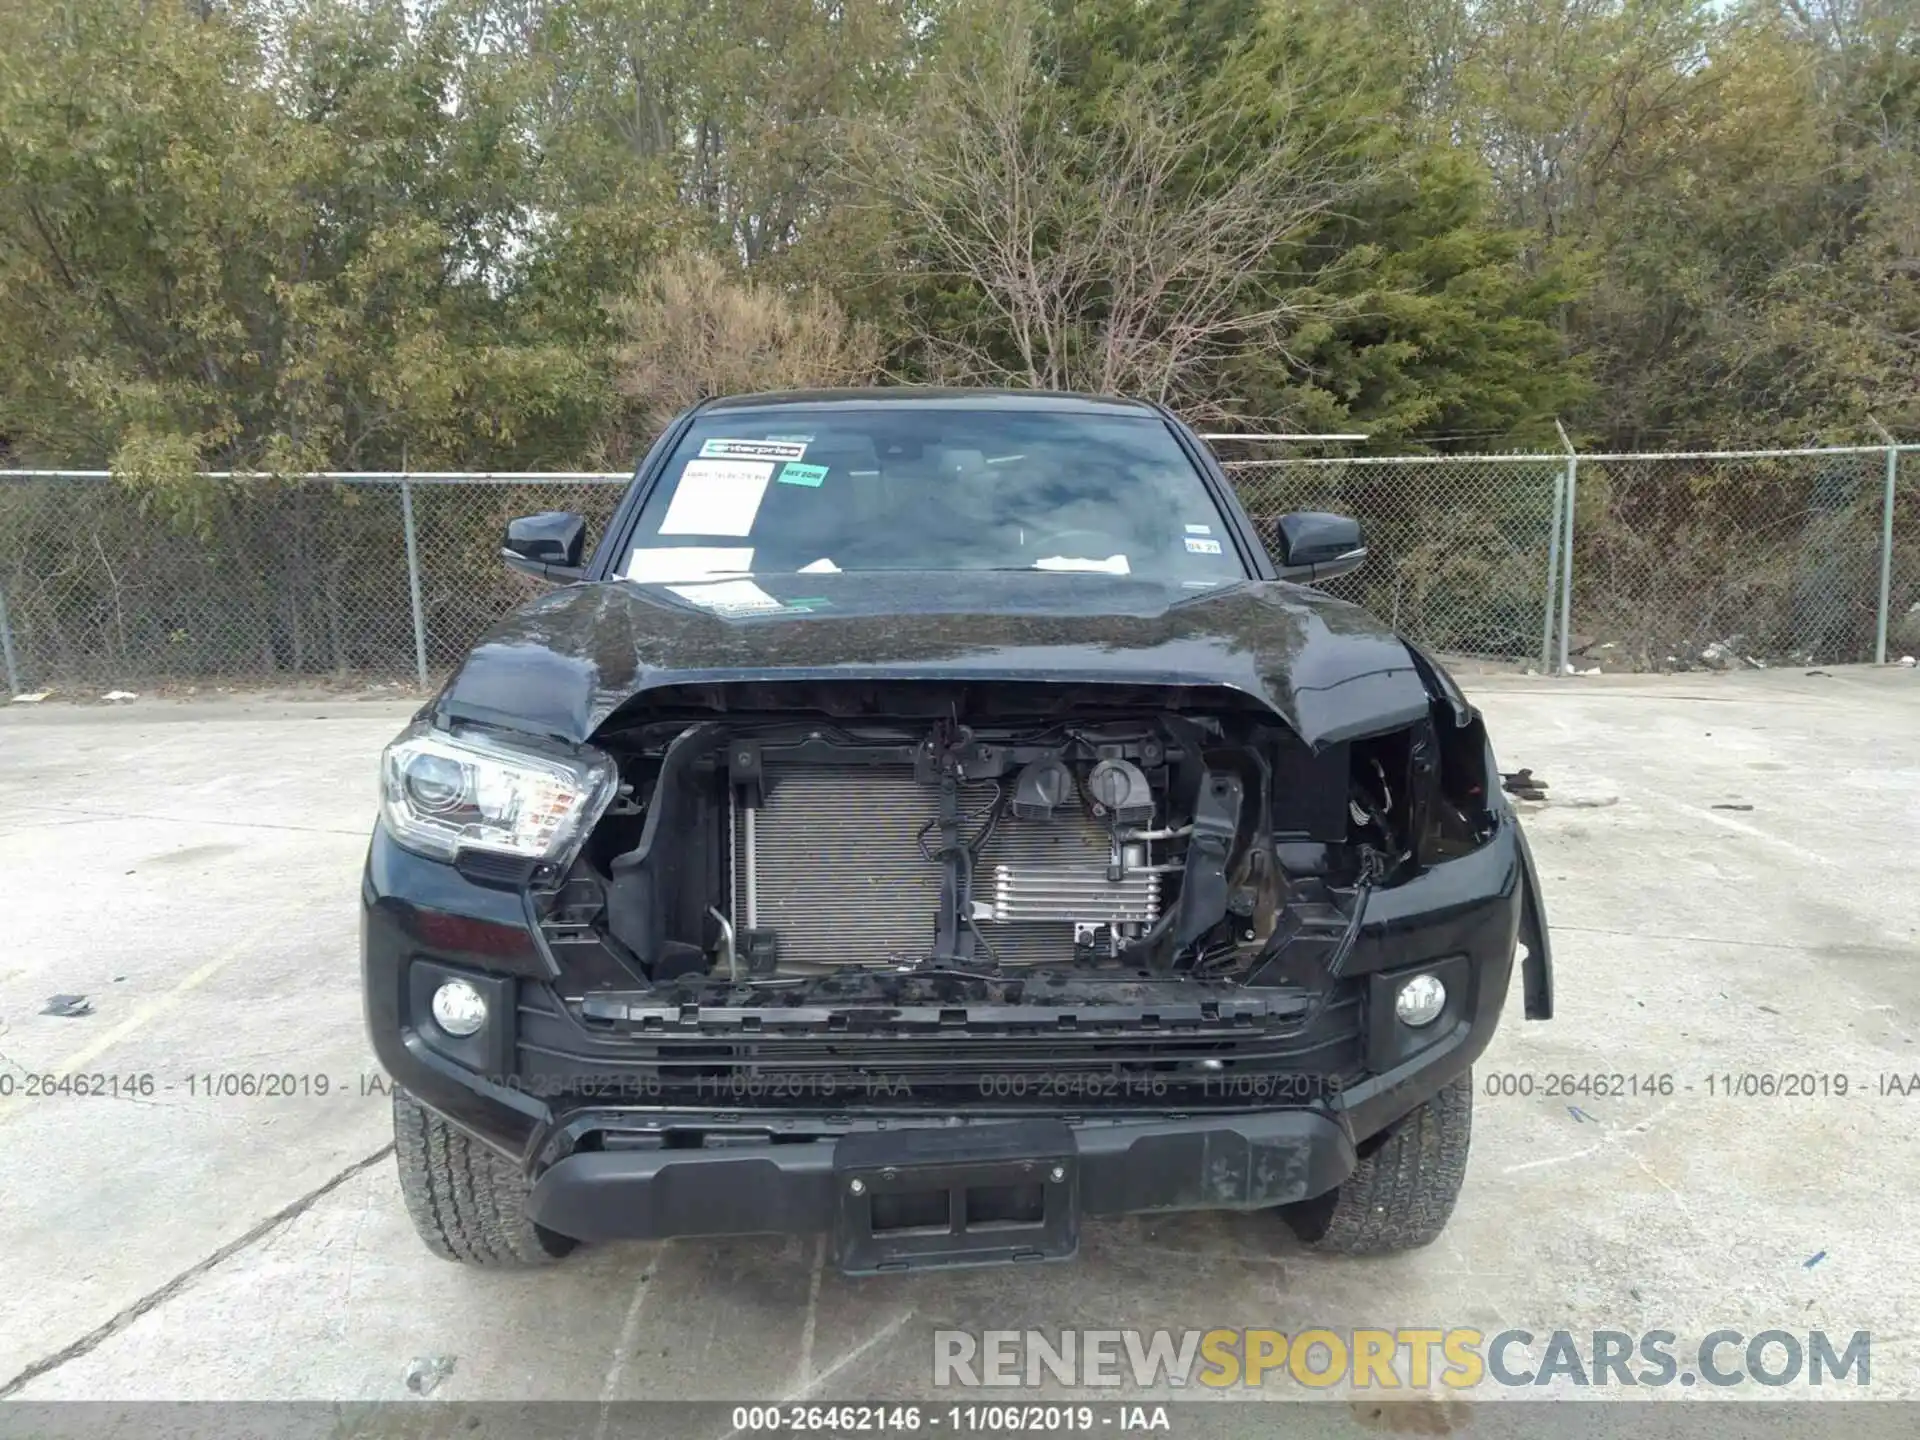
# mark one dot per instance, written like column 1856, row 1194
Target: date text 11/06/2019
column 978, row 1419
column 1278, row 1088
column 1714, row 1085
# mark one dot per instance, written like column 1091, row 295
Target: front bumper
column 1225, row 1162
column 730, row 1165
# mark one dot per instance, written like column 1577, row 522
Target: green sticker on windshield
column 794, row 473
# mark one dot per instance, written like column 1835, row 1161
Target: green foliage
column 288, row 234
column 1741, row 185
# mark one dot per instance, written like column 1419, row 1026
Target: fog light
column 1419, row 1002
column 460, row 1010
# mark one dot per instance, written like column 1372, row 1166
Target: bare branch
column 1132, row 255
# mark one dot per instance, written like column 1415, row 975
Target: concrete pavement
column 192, row 867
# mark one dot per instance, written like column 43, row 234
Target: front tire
column 468, row 1203
column 1402, row 1192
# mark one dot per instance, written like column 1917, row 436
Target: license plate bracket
column 923, row 1198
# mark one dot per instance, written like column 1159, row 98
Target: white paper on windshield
column 729, row 597
column 717, row 497
column 687, row 562
column 1198, row 530
column 1112, row 565
column 822, row 566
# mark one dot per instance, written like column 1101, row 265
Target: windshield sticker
column 822, row 566
column 716, row 497
column 1112, row 565
column 692, row 562
column 753, row 450
column 796, row 474
column 1203, row 547
column 729, row 597
column 1198, row 530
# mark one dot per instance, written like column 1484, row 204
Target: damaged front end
column 769, row 853
column 929, row 897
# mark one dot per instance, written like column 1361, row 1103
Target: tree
column 696, row 327
column 1220, row 204
column 1730, row 176
column 1124, row 254
column 228, row 252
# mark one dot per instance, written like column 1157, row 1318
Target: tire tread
column 468, row 1203
column 1401, row 1195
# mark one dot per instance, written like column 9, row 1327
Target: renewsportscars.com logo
column 1410, row 1358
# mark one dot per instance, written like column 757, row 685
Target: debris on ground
column 34, row 699
column 120, row 695
column 1906, row 660
column 1814, row 1260
column 1821, row 673
column 1522, row 785
column 1718, row 656
column 68, row 1007
column 1733, row 807
column 425, row 1374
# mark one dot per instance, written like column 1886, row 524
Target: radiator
column 838, row 875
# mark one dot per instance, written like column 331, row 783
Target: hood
column 563, row 664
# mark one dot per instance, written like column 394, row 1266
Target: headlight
column 443, row 793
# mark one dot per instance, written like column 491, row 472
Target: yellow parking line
column 104, row 1042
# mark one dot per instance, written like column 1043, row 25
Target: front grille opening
column 913, row 1212
column 993, row 1207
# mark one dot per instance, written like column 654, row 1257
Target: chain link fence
column 1458, row 547
column 261, row 580
column 1676, row 561
column 1673, row 561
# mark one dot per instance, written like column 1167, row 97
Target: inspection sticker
column 1198, row 530
column 717, row 497
column 753, row 450
column 729, row 597
column 1203, row 547
column 793, row 473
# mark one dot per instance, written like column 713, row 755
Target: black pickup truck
column 929, row 818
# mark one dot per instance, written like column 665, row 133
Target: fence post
column 1553, row 571
column 1566, row 546
column 14, row 687
column 413, row 581
column 1886, row 545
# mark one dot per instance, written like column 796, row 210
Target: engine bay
column 763, row 849
column 979, row 854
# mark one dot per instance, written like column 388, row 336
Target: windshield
column 903, row 487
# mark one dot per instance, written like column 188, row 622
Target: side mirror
column 1312, row 546
column 548, row 545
